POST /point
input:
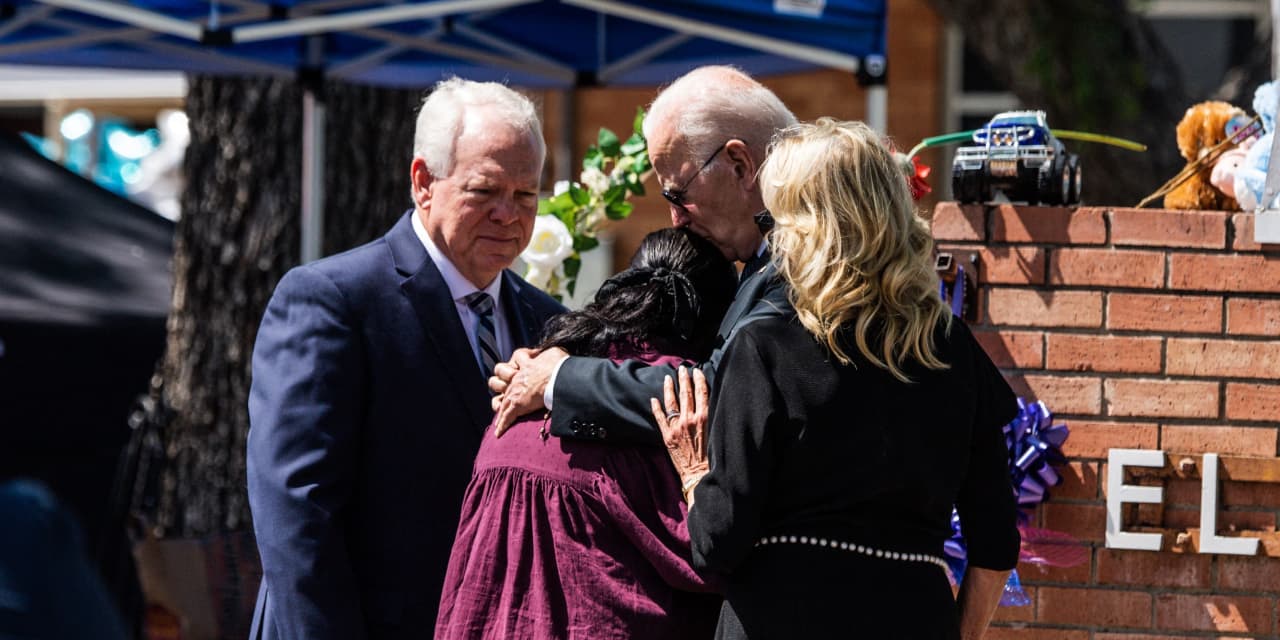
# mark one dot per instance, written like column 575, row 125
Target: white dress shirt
column 460, row 288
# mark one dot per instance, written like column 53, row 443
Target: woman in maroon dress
column 576, row 539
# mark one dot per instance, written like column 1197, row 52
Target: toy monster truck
column 1016, row 154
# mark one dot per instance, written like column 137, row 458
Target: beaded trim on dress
column 856, row 548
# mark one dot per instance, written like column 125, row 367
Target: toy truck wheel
column 966, row 186
column 1055, row 182
column 1076, row 178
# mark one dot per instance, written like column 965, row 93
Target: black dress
column 831, row 487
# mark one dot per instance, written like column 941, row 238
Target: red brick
column 1224, row 358
column 1013, row 349
column 1209, row 272
column 1171, row 313
column 1244, row 441
column 1095, row 439
column 1251, row 494
column 951, row 221
column 1146, row 568
column 1141, row 636
column 1004, row 265
column 1163, row 228
column 1060, row 394
column 1084, row 522
column 1107, row 267
column 1027, row 632
column 1049, row 225
column 1256, row 575
column 1018, row 632
column 1182, row 492
column 1187, row 399
column 1251, row 316
column 1038, row 573
column 1074, row 352
column 1095, row 607
column 1243, row 223
column 1079, row 481
column 1253, row 401
column 1180, row 517
column 1240, row 614
column 1028, row 307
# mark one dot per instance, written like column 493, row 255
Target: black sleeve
column 597, row 399
column 988, row 510
column 724, row 521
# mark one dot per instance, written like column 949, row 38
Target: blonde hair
column 849, row 244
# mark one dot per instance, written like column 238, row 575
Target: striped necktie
column 481, row 304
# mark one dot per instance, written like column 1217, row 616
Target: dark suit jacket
column 597, row 399
column 366, row 409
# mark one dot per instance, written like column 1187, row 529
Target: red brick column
column 1147, row 329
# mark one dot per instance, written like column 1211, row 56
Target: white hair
column 711, row 105
column 452, row 102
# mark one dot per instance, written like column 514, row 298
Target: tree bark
column 1095, row 66
column 238, row 234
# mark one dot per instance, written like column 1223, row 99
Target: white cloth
column 460, row 288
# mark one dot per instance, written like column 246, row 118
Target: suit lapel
column 521, row 318
column 429, row 295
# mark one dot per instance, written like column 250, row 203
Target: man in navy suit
column 369, row 401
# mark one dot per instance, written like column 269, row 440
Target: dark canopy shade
column 84, row 288
column 73, row 254
column 526, row 42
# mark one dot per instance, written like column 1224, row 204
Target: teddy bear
column 1203, row 126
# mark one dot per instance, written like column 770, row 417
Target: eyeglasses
column 677, row 196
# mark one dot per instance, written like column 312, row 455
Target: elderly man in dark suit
column 368, row 400
column 708, row 133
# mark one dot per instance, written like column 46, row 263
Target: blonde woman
column 841, row 437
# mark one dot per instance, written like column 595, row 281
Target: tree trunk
column 238, row 234
column 1095, row 66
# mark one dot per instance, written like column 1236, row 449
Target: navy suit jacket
column 366, row 409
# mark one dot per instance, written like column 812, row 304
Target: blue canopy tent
column 535, row 43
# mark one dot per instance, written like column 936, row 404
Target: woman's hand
column 684, row 427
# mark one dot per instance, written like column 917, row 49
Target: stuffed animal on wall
column 1251, row 175
column 1228, row 167
column 1202, row 127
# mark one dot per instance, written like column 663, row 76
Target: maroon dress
column 570, row 539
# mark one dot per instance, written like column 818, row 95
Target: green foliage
column 612, row 171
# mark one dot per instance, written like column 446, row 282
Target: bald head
column 709, row 105
column 708, row 133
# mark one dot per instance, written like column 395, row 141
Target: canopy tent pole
column 878, row 108
column 313, row 154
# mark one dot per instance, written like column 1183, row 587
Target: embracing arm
column 591, row 391
column 305, row 412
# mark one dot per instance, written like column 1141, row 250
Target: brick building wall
column 1141, row 329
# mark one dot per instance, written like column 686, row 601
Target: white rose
column 561, row 186
column 550, row 245
column 595, row 180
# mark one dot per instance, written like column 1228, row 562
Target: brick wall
column 1141, row 329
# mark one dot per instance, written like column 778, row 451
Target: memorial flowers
column 567, row 224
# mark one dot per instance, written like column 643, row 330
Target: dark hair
column 670, row 299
